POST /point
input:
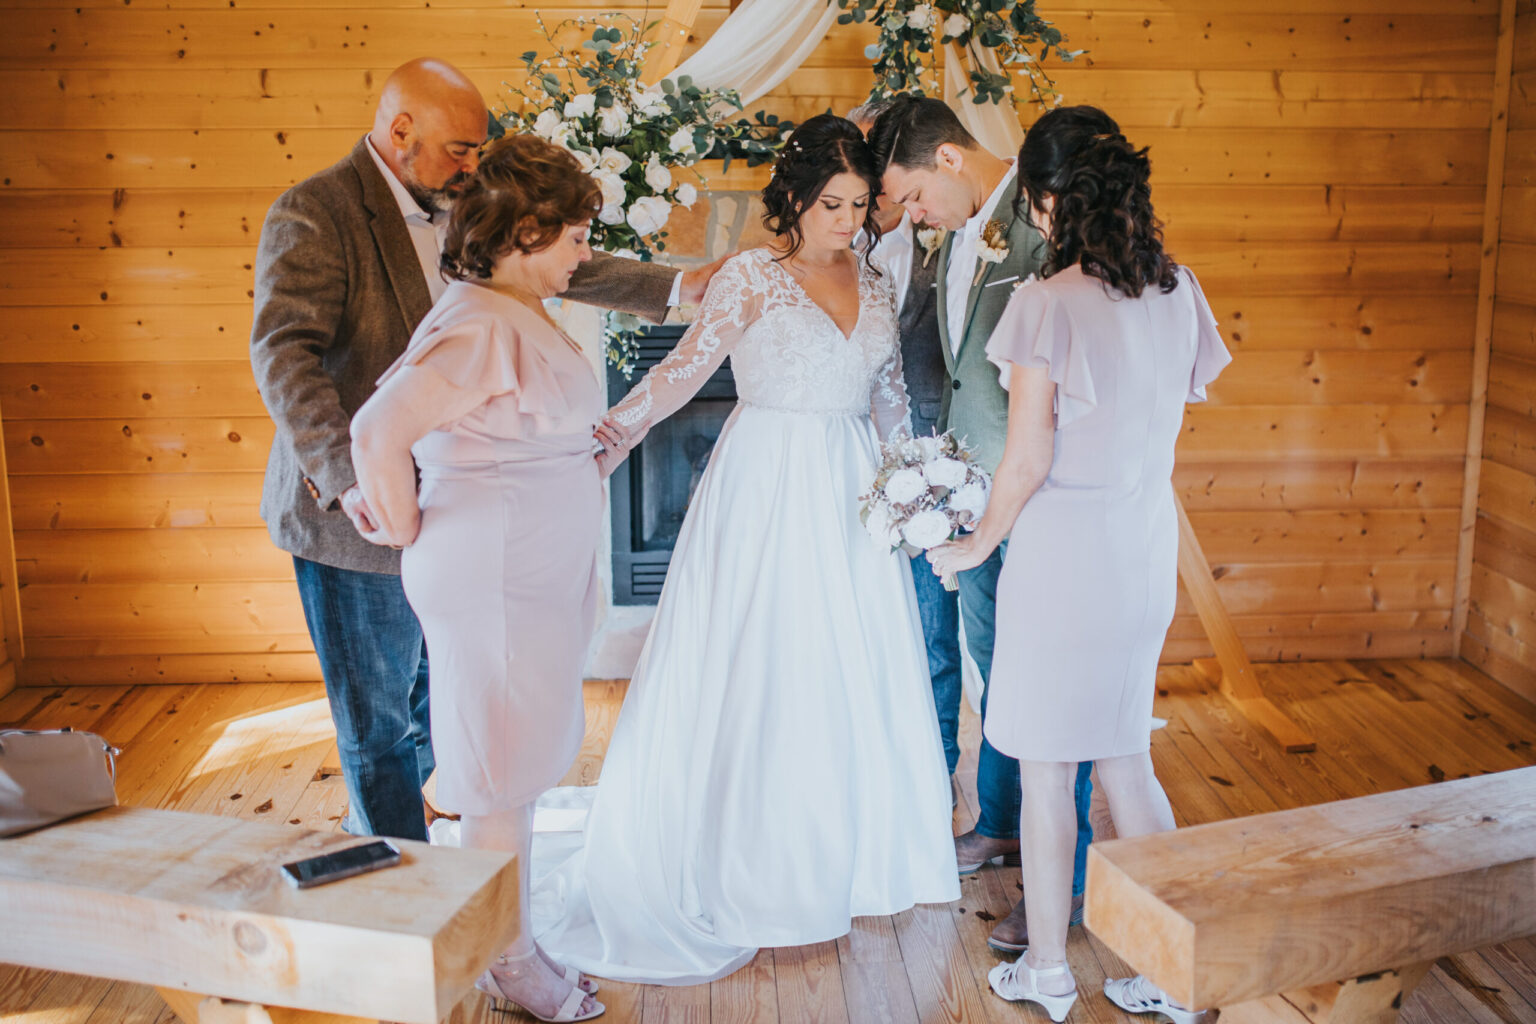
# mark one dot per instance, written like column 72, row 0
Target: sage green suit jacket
column 975, row 404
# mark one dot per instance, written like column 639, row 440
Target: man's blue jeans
column 997, row 775
column 375, row 665
column 939, row 610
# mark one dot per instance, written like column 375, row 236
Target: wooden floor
column 255, row 750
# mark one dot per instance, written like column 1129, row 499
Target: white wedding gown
column 776, row 770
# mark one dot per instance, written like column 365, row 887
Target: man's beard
column 433, row 200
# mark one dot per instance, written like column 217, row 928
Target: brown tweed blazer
column 339, row 291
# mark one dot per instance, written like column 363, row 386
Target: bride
column 777, row 769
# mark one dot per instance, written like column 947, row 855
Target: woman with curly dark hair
column 1099, row 358
column 777, row 768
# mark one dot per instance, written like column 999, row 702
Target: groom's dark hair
column 910, row 131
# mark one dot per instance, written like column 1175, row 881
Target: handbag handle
column 106, row 748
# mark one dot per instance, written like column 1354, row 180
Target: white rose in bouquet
column 611, row 184
column 681, row 141
column 611, row 159
column 612, row 214
column 928, row 448
column 648, row 214
column 565, row 135
column 905, row 485
column 613, row 121
column 581, row 106
column 586, row 159
column 955, row 25
column 651, row 103
column 656, row 175
column 547, row 123
column 927, row 529
column 921, row 17
column 949, row 473
column 971, row 498
column 879, row 526
column 687, row 195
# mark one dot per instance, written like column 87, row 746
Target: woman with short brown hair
column 497, row 405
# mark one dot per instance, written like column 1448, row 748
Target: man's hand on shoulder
column 696, row 281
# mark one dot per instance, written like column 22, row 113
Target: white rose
column 904, row 486
column 921, row 17
column 955, row 25
column 687, row 194
column 547, row 123
column 657, row 176
column 565, row 135
column 613, row 213
column 651, row 103
column 612, row 186
column 971, row 498
column 927, row 529
column 880, row 528
column 581, row 106
column 586, row 159
column 949, row 473
column 928, row 448
column 648, row 214
column 681, row 141
column 613, row 121
column 611, row 159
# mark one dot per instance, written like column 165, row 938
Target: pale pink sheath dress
column 503, row 575
column 1088, row 586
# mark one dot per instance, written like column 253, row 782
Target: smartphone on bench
column 338, row 864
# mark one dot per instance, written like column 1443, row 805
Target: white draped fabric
column 994, row 125
column 759, row 45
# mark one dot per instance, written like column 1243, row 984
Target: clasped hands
column 355, row 505
column 956, row 556
column 615, row 442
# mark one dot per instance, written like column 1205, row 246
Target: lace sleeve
column 889, row 404
column 727, row 309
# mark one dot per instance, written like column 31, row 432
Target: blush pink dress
column 503, row 575
column 1088, row 585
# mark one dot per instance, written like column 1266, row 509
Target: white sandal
column 570, row 1009
column 1007, row 982
column 1138, row 995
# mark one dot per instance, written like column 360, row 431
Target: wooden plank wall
column 1500, row 636
column 1320, row 163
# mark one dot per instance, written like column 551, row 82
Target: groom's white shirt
column 962, row 263
column 893, row 253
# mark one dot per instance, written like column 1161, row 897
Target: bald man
column 346, row 269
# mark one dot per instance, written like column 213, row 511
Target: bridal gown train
column 777, row 769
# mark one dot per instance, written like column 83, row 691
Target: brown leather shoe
column 973, row 849
column 1012, row 934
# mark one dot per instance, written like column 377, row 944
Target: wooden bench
column 1264, row 915
column 195, row 904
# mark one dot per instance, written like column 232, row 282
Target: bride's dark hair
column 1103, row 217
column 818, row 151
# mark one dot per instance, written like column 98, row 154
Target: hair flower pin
column 992, row 249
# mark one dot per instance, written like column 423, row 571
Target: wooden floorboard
column 254, row 751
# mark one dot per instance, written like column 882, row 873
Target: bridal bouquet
column 926, row 490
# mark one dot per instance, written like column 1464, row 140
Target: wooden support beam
column 197, row 1009
column 10, row 588
column 674, row 30
column 1369, row 999
column 1482, row 339
column 1230, row 669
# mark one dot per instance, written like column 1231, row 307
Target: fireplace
column 650, row 492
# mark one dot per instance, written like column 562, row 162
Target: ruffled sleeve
column 1035, row 330
column 1211, row 355
column 489, row 355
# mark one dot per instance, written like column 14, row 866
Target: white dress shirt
column 893, row 254
column 429, row 230
column 962, row 263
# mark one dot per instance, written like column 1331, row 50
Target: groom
column 943, row 177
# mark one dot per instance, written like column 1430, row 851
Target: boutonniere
column 931, row 239
column 993, row 247
column 1031, row 279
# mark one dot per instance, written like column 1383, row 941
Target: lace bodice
column 786, row 352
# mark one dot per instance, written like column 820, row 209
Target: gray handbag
column 47, row 776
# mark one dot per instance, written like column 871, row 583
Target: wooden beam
column 1487, row 277
column 674, row 30
column 1243, row 909
column 197, row 1009
column 1230, row 669
column 1373, row 998
column 10, row 589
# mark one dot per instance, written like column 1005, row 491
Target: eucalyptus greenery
column 904, row 57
